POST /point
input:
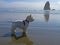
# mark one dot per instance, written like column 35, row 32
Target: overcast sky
column 30, row 4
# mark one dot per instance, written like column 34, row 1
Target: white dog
column 21, row 24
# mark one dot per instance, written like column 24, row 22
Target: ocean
column 44, row 30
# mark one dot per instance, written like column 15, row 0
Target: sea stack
column 47, row 6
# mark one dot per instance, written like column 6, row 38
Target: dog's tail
column 11, row 21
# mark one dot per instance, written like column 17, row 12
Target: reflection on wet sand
column 24, row 40
column 46, row 15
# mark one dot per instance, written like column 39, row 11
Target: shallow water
column 44, row 30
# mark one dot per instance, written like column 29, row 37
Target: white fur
column 20, row 24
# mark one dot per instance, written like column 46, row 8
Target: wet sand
column 35, row 36
column 45, row 30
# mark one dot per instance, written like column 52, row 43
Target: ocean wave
column 31, row 11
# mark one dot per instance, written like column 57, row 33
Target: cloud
column 55, row 5
column 33, row 5
column 58, row 2
column 29, row 5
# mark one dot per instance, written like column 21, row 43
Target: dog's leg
column 13, row 31
column 23, row 35
column 24, row 32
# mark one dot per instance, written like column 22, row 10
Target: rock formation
column 47, row 6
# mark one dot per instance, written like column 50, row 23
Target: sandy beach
column 45, row 30
column 35, row 36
